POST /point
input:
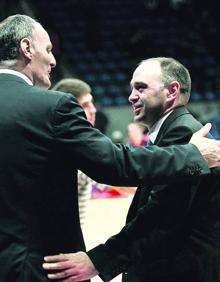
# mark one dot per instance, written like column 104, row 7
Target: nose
column 133, row 96
column 52, row 61
column 92, row 108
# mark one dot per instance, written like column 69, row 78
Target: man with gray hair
column 44, row 138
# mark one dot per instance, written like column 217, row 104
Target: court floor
column 105, row 217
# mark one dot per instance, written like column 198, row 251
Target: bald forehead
column 149, row 67
column 38, row 29
column 148, row 70
column 41, row 35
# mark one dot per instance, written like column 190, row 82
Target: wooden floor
column 105, row 217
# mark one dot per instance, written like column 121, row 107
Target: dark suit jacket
column 173, row 231
column 44, row 139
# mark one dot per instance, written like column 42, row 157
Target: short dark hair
column 74, row 86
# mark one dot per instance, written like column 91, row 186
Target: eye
column 141, row 90
column 140, row 86
column 49, row 49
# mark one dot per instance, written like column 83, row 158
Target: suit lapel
column 142, row 193
column 175, row 114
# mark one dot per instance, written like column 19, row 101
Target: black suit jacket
column 173, row 231
column 44, row 139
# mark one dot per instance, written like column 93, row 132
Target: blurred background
column 102, row 41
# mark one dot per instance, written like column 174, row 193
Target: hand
column 209, row 148
column 70, row 267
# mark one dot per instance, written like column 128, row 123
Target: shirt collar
column 21, row 75
column 156, row 127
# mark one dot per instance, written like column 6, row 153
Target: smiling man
column 172, row 232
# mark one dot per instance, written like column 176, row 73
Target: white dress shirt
column 21, row 75
column 156, row 127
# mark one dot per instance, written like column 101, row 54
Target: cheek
column 147, row 101
column 154, row 101
column 43, row 61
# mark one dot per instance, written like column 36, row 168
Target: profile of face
column 86, row 101
column 148, row 95
column 41, row 58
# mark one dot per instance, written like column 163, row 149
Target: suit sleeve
column 89, row 150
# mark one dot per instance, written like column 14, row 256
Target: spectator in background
column 82, row 91
column 215, row 127
column 210, row 115
column 117, row 136
column 137, row 134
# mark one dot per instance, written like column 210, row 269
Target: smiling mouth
column 136, row 110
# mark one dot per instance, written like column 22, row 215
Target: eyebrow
column 138, row 85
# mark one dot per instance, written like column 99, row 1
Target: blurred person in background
column 82, row 92
column 172, row 232
column 117, row 136
column 137, row 134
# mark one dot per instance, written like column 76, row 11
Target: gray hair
column 12, row 30
column 173, row 70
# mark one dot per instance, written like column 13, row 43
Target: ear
column 26, row 48
column 173, row 89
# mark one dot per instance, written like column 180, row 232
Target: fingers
column 64, row 269
column 55, row 266
column 60, row 257
column 204, row 130
column 73, row 279
column 68, row 275
column 59, row 275
column 70, row 267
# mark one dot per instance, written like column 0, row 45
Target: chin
column 44, row 84
column 138, row 118
column 47, row 84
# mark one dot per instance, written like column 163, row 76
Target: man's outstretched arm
column 120, row 164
